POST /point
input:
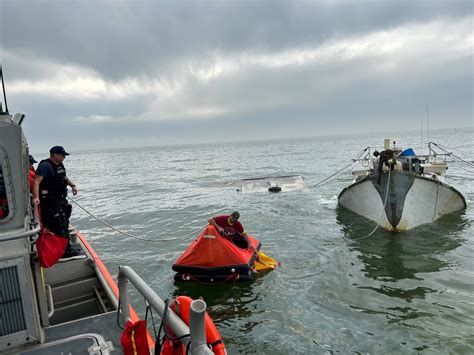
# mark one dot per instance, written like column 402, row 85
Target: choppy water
column 406, row 293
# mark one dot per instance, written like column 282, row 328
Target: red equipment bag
column 134, row 339
column 50, row 247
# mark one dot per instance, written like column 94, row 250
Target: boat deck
column 94, row 335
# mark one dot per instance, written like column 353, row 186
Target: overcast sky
column 104, row 74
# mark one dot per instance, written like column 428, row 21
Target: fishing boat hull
column 401, row 201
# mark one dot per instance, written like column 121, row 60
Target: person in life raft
column 230, row 228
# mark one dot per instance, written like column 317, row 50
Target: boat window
column 4, row 210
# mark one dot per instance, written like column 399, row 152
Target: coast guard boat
column 400, row 190
column 75, row 306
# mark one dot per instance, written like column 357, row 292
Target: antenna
column 421, row 131
column 427, row 124
column 372, row 132
column 4, row 93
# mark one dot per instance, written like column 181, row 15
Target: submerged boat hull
column 403, row 202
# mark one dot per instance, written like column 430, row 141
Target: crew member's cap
column 57, row 149
column 235, row 215
column 32, row 160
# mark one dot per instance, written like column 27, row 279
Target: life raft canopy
column 273, row 184
column 212, row 258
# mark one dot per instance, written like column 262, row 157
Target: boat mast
column 427, row 123
column 421, row 132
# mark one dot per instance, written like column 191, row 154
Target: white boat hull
column 411, row 200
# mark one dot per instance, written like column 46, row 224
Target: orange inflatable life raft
column 212, row 258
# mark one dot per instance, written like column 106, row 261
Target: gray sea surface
column 407, row 293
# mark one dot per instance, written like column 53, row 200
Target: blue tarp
column 408, row 153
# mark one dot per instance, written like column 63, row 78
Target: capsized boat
column 212, row 258
column 273, row 184
column 72, row 305
column 400, row 190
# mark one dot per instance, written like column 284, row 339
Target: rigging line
column 446, row 147
column 328, row 179
column 353, row 161
column 453, row 155
column 131, row 235
column 469, row 171
column 458, row 160
column 383, row 210
column 453, row 178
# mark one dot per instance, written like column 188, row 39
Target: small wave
column 330, row 203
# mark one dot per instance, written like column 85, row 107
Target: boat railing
column 433, row 156
column 366, row 160
column 433, row 160
column 196, row 330
column 35, row 229
column 26, row 234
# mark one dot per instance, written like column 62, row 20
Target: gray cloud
column 142, row 72
column 119, row 39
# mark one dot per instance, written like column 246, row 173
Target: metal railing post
column 197, row 328
column 179, row 328
column 123, row 295
column 194, row 335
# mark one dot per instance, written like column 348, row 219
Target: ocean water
column 404, row 293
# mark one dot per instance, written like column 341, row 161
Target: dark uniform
column 55, row 210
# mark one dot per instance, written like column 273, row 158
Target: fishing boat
column 400, row 190
column 71, row 306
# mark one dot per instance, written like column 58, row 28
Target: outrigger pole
column 4, row 93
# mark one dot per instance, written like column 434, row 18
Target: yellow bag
column 264, row 262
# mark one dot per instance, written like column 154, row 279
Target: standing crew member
column 50, row 188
